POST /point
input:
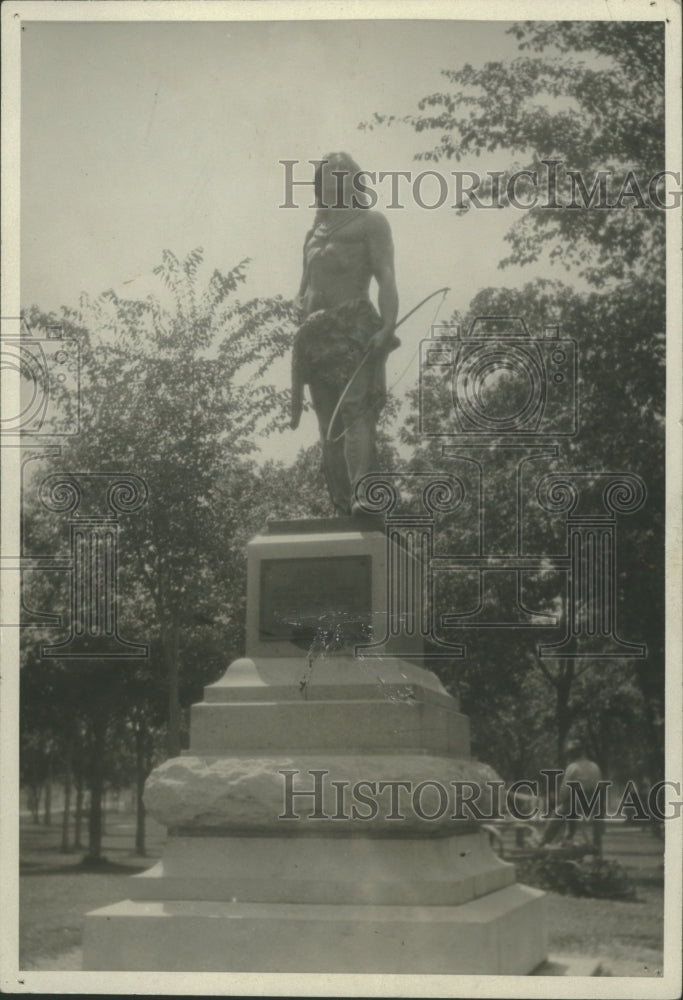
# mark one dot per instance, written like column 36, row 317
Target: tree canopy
column 588, row 94
column 581, row 101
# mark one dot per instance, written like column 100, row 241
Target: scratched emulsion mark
column 321, row 635
column 337, row 631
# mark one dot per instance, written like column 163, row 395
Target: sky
column 139, row 137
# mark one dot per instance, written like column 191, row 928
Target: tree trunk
column 96, row 789
column 170, row 642
column 563, row 714
column 47, row 804
column 654, row 755
column 140, row 775
column 78, row 817
column 34, row 802
column 68, row 771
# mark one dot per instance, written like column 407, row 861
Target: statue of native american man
column 341, row 348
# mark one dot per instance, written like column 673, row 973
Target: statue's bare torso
column 342, row 254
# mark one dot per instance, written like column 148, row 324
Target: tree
column 574, row 96
column 71, row 718
column 173, row 390
column 610, row 716
column 620, row 429
column 571, row 104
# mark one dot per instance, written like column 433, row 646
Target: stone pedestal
column 315, row 823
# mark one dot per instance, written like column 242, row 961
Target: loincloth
column 331, row 342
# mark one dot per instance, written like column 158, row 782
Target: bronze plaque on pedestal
column 325, row 601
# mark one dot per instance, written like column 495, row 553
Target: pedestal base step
column 573, row 965
column 500, row 933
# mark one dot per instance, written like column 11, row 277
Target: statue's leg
column 324, row 400
column 359, row 418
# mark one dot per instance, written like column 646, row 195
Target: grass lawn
column 56, row 891
column 628, row 933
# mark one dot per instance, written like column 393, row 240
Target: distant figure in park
column 585, row 773
column 348, row 246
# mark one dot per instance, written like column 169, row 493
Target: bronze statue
column 341, row 347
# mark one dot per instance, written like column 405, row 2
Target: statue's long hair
column 338, row 161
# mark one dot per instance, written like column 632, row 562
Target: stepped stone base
column 498, row 933
column 573, row 965
column 247, row 886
